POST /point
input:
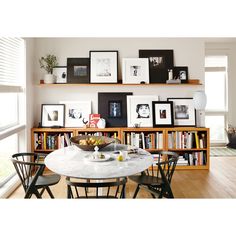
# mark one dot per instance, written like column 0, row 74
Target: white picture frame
column 76, row 113
column 103, row 66
column 61, row 74
column 139, row 110
column 52, row 115
column 135, row 70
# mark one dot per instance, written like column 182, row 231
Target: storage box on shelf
column 192, row 144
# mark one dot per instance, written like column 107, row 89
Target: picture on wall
column 181, row 72
column 184, row 111
column 139, row 110
column 52, row 115
column 103, row 66
column 61, row 74
column 113, row 108
column 159, row 63
column 135, row 71
column 77, row 113
column 162, row 114
column 78, row 70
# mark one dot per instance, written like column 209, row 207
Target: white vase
column 101, row 123
column 49, row 79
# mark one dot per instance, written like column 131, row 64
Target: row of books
column 188, row 159
column 186, row 140
column 143, row 140
column 45, row 141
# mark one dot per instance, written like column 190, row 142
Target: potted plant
column 47, row 63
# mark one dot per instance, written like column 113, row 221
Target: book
column 93, row 120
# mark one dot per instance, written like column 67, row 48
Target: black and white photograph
column 113, row 108
column 181, row 73
column 52, row 115
column 61, row 74
column 78, row 70
column 184, row 111
column 143, row 111
column 139, row 110
column 135, row 71
column 159, row 63
column 76, row 113
column 103, row 66
column 162, row 114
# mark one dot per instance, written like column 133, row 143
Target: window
column 216, row 80
column 12, row 102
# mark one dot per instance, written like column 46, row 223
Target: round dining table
column 71, row 161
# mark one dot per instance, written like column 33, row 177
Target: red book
column 93, row 120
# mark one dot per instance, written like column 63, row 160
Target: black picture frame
column 105, row 100
column 52, row 115
column 181, row 72
column 78, row 70
column 162, row 113
column 160, row 61
column 184, row 111
column 103, row 66
column 61, row 74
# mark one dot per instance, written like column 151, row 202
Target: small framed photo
column 78, row 70
column 184, row 111
column 53, row 115
column 135, row 71
column 103, row 66
column 181, row 72
column 77, row 113
column 159, row 63
column 61, row 74
column 113, row 108
column 139, row 110
column 162, row 114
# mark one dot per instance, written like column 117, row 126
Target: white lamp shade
column 199, row 100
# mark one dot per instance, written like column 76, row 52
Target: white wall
column 187, row 52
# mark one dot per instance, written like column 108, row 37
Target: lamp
column 199, row 102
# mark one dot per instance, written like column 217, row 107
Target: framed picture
column 162, row 114
column 135, row 71
column 184, row 111
column 53, row 115
column 103, row 66
column 78, row 70
column 181, row 72
column 61, row 74
column 113, row 108
column 76, row 113
column 139, row 110
column 159, row 63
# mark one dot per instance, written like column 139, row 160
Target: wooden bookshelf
column 184, row 141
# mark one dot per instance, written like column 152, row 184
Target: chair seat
column 146, row 180
column 47, row 180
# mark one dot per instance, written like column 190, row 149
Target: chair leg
column 49, row 192
column 136, row 191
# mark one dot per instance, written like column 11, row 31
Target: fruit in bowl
column 88, row 142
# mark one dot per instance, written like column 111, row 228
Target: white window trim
column 13, row 130
column 11, row 89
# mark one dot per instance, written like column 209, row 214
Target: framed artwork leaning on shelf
column 113, row 108
column 135, row 71
column 162, row 114
column 76, row 113
column 78, row 70
column 61, row 74
column 181, row 72
column 184, row 111
column 52, row 115
column 139, row 110
column 103, row 66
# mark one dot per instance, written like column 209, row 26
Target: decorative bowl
column 104, row 140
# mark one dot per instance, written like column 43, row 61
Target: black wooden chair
column 30, row 172
column 157, row 179
column 111, row 188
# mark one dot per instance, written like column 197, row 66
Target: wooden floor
column 218, row 182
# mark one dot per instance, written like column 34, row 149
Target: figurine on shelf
column 172, row 80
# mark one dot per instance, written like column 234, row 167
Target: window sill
column 8, row 132
column 7, row 189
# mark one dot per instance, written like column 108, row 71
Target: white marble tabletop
column 74, row 162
